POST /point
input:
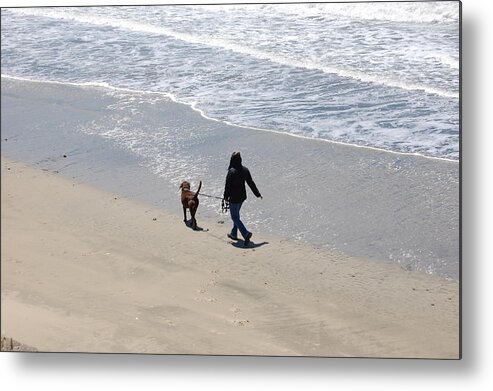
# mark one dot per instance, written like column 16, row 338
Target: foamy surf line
column 373, row 11
column 194, row 107
column 240, row 49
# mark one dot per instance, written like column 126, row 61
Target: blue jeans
column 234, row 209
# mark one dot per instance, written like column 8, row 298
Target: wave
column 194, row 107
column 236, row 48
column 434, row 12
column 450, row 61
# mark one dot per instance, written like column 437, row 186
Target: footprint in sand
column 241, row 323
column 208, row 299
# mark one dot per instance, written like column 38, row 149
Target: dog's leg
column 194, row 222
column 184, row 214
column 192, row 206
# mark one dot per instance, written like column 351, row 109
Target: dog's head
column 185, row 186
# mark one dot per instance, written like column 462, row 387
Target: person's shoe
column 247, row 239
column 232, row 237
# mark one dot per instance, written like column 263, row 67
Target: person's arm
column 251, row 184
column 227, row 186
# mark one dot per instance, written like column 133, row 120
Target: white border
column 473, row 372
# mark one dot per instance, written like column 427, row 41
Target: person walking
column 235, row 194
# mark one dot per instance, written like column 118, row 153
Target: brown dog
column 189, row 200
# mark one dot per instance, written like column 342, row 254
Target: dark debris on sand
column 11, row 345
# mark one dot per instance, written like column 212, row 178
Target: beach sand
column 85, row 270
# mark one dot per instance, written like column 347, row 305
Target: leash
column 211, row 196
column 224, row 203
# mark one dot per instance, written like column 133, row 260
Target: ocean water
column 141, row 98
column 378, row 75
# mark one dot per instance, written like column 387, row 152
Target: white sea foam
column 91, row 84
column 409, row 12
column 194, row 107
column 240, row 48
column 389, row 86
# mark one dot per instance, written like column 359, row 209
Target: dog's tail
column 197, row 192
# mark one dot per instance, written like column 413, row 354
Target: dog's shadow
column 188, row 223
column 251, row 245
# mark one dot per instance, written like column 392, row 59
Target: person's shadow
column 251, row 245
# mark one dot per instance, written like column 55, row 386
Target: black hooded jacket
column 234, row 190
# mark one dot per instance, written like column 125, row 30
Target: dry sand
column 84, row 270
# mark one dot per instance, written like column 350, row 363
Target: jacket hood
column 235, row 161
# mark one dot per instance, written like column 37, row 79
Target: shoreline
column 205, row 116
column 323, row 194
column 98, row 272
